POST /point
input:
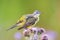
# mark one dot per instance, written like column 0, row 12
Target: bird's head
column 36, row 13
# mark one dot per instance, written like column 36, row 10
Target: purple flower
column 17, row 36
column 52, row 34
column 49, row 35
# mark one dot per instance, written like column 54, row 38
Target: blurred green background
column 12, row 10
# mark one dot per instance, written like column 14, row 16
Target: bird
column 27, row 21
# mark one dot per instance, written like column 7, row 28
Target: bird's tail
column 20, row 28
column 12, row 27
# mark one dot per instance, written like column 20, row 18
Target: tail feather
column 20, row 28
column 12, row 27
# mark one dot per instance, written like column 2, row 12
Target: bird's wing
column 22, row 19
column 21, row 22
column 29, row 22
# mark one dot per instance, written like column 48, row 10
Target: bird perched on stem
column 27, row 21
